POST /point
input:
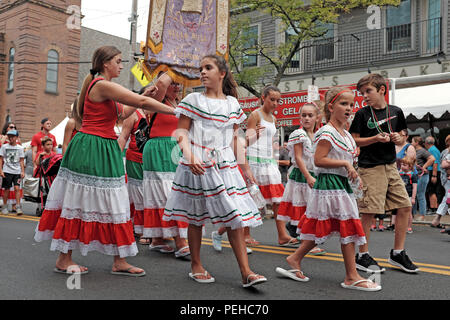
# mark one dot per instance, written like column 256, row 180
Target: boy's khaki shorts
column 383, row 188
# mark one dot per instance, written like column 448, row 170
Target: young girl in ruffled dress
column 260, row 155
column 332, row 209
column 301, row 176
column 208, row 185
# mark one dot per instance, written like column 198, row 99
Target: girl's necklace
column 346, row 139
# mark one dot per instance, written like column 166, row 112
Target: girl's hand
column 259, row 129
column 150, row 91
column 310, row 181
column 196, row 167
column 249, row 176
column 361, row 185
column 352, row 174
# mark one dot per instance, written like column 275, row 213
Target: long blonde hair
column 331, row 96
column 101, row 55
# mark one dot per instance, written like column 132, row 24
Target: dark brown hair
column 45, row 139
column 374, row 79
column 229, row 85
column 101, row 56
column 266, row 91
column 419, row 140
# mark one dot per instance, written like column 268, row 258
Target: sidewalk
column 445, row 220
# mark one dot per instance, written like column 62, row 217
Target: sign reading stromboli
column 288, row 112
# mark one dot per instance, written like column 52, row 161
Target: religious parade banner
column 180, row 33
column 288, row 112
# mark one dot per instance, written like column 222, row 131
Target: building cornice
column 40, row 3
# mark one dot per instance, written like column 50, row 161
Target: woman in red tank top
column 134, row 169
column 90, row 184
column 160, row 160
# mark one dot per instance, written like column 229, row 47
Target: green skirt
column 94, row 156
column 161, row 154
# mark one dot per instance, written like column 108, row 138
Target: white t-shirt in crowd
column 11, row 158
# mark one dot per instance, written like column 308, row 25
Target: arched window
column 52, row 72
column 10, row 86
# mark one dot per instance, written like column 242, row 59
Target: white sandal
column 180, row 253
column 355, row 287
column 195, row 275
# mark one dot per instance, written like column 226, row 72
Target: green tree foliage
column 304, row 19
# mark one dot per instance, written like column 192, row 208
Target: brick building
column 92, row 39
column 36, row 31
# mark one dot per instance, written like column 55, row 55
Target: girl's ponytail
column 80, row 102
column 101, row 56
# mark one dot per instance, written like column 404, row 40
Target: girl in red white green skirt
column 260, row 157
column 161, row 155
column 332, row 209
column 134, row 169
column 88, row 207
column 208, row 185
column 301, row 176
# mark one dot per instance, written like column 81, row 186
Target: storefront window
column 251, row 35
column 434, row 24
column 398, row 23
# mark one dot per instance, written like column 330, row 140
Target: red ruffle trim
column 48, row 220
column 286, row 209
column 153, row 218
column 11, row 194
column 86, row 232
column 325, row 228
column 138, row 218
column 272, row 191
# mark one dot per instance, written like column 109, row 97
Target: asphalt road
column 26, row 270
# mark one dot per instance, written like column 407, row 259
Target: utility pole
column 133, row 21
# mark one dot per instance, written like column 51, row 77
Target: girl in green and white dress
column 332, row 209
column 88, row 207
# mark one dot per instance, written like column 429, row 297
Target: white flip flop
column 254, row 282
column 73, row 269
column 163, row 248
column 195, row 275
column 181, row 254
column 127, row 272
column 291, row 274
column 354, row 286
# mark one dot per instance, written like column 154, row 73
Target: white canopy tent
column 419, row 101
column 422, row 95
column 57, row 131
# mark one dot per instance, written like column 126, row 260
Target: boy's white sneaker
column 19, row 211
column 5, row 209
column 216, row 240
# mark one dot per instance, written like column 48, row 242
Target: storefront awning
column 419, row 101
